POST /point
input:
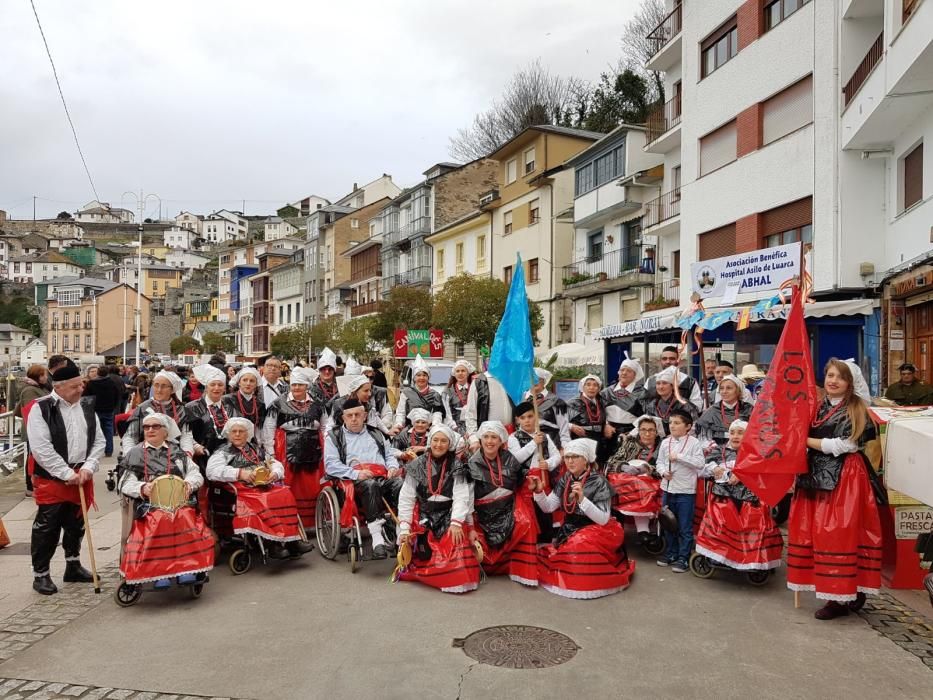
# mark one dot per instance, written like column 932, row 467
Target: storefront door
column 920, row 338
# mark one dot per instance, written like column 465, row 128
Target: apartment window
column 288, row 313
column 779, row 10
column 718, row 148
column 789, row 110
column 533, row 271
column 511, row 171
column 77, row 317
column 913, row 177
column 675, row 183
column 54, row 343
column 440, row 263
column 594, row 245
column 584, row 179
column 675, row 264
column 481, row 252
column 594, row 315
column 155, row 286
column 65, row 343
column 719, row 47
column 459, row 255
column 354, row 223
column 534, row 211
column 87, row 343
column 55, row 320
column 507, row 221
column 717, row 243
column 529, row 160
column 804, row 235
column 87, row 319
column 281, row 315
column 507, row 274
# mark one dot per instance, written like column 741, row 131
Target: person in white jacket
column 680, row 460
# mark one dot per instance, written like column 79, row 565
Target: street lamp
column 141, row 207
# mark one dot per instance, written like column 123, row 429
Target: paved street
column 312, row 629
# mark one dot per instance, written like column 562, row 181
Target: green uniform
column 916, row 394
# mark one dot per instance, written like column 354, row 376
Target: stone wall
column 162, row 330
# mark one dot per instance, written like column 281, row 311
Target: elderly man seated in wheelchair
column 265, row 508
column 168, row 538
column 358, row 455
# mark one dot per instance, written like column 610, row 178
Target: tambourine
column 168, row 493
column 262, row 475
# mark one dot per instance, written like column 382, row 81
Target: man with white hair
column 66, row 441
column 271, row 386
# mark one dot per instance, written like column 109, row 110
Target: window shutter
column 718, row 148
column 788, row 111
column 717, row 243
column 913, row 176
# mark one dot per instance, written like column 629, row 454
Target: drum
column 168, row 492
column 262, row 475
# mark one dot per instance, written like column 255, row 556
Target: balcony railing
column 664, row 295
column 663, row 119
column 370, row 307
column 661, row 209
column 667, row 29
column 864, row 69
column 65, row 325
column 418, row 227
column 633, row 262
column 415, row 276
column 366, row 272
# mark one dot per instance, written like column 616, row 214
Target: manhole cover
column 518, row 646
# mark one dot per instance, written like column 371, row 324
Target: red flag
column 774, row 450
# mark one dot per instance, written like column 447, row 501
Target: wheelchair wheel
column 195, row 589
column 240, row 561
column 758, row 578
column 327, row 523
column 654, row 545
column 354, row 555
column 127, row 594
column 700, row 566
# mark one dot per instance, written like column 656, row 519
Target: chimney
column 355, row 187
column 2, row 217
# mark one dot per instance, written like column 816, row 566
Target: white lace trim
column 754, row 566
column 137, row 581
column 838, row 598
column 651, row 514
column 264, row 535
column 465, row 588
column 524, row 581
column 582, row 595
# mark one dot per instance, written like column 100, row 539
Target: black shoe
column 380, row 552
column 75, row 573
column 44, row 585
column 297, row 548
column 831, row 611
column 858, row 603
column 279, row 551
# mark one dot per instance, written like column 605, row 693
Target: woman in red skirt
column 834, row 532
column 433, row 507
column 588, row 560
column 737, row 530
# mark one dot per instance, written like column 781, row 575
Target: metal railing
column 661, row 209
column 663, row 119
column 864, row 69
column 667, row 29
column 418, row 275
column 418, row 227
column 610, row 264
column 364, row 273
column 664, row 295
column 369, row 307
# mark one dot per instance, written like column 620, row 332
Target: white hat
column 167, row 422
column 588, row 378
column 418, row 366
column 494, row 427
column 177, row 382
column 543, row 375
column 417, row 414
column 327, row 358
column 668, row 375
column 352, row 367
column 205, row 374
column 633, row 365
column 744, row 394
column 738, row 423
column 302, row 375
column 658, row 423
column 235, row 382
column 239, row 420
column 468, row 366
column 356, row 382
column 584, row 447
column 751, row 372
column 859, row 385
column 452, row 437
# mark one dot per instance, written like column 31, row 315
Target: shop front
column 908, row 323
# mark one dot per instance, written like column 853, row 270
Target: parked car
column 439, row 369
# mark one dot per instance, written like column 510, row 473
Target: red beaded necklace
column 462, row 398
column 218, row 428
column 592, row 417
column 249, row 454
column 168, row 463
column 161, row 408
column 817, row 421
column 441, row 477
column 651, row 451
column 670, row 451
column 722, row 413
column 664, row 415
column 414, row 440
column 497, row 478
column 252, row 415
column 569, row 504
column 329, row 390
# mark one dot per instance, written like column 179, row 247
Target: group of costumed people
column 536, row 491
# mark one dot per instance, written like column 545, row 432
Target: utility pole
column 141, row 207
column 34, row 211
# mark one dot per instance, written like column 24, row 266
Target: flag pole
column 534, row 403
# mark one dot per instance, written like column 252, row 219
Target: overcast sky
column 209, row 103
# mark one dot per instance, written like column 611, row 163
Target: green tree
column 619, row 99
column 356, row 337
column 470, row 308
column 16, row 310
column 290, row 342
column 325, row 334
column 182, row 344
column 215, row 342
column 287, row 212
column 405, row 307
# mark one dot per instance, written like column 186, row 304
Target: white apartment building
column 244, row 319
column 180, row 237
column 286, row 295
column 187, row 220
column 276, row 227
column 187, row 260
column 462, row 247
column 95, row 212
column 28, row 269
column 13, row 340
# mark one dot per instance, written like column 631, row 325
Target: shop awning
column 572, row 354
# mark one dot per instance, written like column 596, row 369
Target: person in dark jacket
column 118, row 382
column 379, row 377
column 106, row 399
column 34, row 387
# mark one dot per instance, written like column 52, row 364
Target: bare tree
column 533, row 96
column 637, row 48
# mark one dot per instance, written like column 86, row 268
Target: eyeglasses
column 152, row 427
column 647, row 430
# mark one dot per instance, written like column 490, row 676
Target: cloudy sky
column 210, row 103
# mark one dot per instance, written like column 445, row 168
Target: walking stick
column 90, row 539
column 796, row 599
column 540, row 450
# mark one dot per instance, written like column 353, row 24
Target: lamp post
column 141, row 207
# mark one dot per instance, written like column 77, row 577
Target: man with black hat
column 67, row 443
column 909, row 391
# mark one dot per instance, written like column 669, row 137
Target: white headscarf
column 588, row 378
column 302, row 375
column 584, row 447
column 744, row 394
column 452, row 437
column 859, row 385
column 235, row 382
column 419, row 414
column 658, row 423
column 177, row 382
column 494, row 427
column 364, row 369
column 668, row 374
column 635, row 366
column 738, row 423
column 543, row 375
column 327, row 358
column 352, row 367
column 239, row 420
column 206, row 374
column 167, row 422
column 418, row 366
column 468, row 366
column 359, row 380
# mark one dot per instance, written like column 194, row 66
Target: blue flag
column 512, row 358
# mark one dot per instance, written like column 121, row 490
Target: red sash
column 47, row 492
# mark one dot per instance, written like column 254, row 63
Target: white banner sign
column 912, row 521
column 747, row 273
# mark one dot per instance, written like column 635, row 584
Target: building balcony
column 416, row 277
column 871, row 59
column 666, row 38
column 368, row 272
column 662, row 213
column 609, row 272
column 417, row 228
column 663, row 295
column 369, row 307
column 663, row 127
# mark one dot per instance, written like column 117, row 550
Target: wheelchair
column 702, row 566
column 120, row 424
column 337, row 525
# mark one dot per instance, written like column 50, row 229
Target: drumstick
column 391, row 512
column 90, row 539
